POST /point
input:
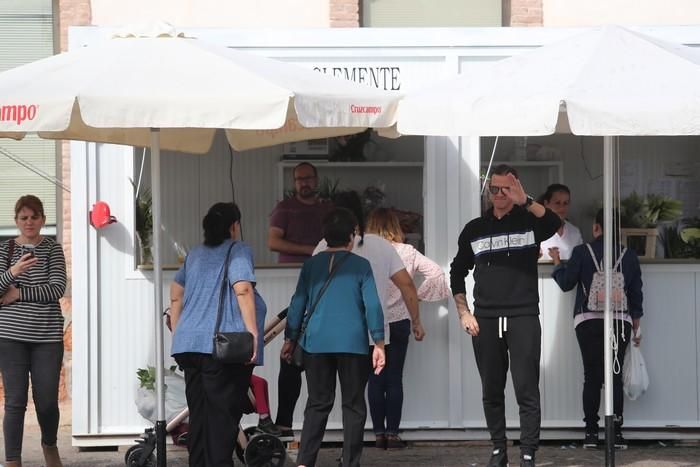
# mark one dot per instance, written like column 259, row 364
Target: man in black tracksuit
column 503, row 247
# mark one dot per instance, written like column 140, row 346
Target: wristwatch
column 528, row 202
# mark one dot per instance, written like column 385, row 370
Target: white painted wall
column 214, row 13
column 627, row 12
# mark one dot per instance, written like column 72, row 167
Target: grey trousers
column 20, row 361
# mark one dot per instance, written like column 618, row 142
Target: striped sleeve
column 54, row 288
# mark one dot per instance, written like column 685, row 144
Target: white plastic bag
column 175, row 400
column 635, row 379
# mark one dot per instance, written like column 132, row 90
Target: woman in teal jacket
column 335, row 341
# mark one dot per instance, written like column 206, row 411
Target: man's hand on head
column 515, row 191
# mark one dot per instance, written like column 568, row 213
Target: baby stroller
column 253, row 447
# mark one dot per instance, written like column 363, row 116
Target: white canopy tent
column 164, row 91
column 607, row 81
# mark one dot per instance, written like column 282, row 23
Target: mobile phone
column 28, row 249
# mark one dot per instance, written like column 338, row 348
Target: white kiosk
column 437, row 177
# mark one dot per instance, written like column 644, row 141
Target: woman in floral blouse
column 385, row 390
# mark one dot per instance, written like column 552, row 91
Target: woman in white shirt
column 557, row 198
column 385, row 391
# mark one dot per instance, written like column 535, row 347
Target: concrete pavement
column 419, row 454
column 647, row 454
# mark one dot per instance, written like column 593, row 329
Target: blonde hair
column 385, row 223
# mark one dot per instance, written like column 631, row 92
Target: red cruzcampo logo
column 17, row 113
column 365, row 109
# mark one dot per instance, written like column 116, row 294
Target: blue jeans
column 385, row 390
column 20, row 361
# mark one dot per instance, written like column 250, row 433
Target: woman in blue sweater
column 335, row 340
column 216, row 392
column 579, row 271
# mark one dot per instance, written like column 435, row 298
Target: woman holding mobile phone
column 32, row 280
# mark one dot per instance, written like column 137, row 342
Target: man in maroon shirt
column 295, row 230
column 295, row 223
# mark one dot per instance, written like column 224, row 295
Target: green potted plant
column 682, row 239
column 144, row 225
column 640, row 217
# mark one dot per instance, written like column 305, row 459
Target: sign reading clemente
column 387, row 78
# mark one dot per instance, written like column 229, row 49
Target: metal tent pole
column 158, row 296
column 608, row 151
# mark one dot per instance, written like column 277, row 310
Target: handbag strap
column 312, row 308
column 10, row 252
column 598, row 267
column 222, row 291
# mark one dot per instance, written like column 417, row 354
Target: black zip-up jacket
column 503, row 253
column 580, row 268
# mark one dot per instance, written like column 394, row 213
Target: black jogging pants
column 519, row 344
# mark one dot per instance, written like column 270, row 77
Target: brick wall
column 70, row 13
column 344, row 13
column 522, row 13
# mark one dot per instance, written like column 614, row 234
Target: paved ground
column 454, row 454
column 648, row 454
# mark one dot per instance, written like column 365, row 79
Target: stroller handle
column 282, row 314
column 275, row 326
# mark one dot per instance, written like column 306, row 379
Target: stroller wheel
column 132, row 458
column 249, row 433
column 265, row 451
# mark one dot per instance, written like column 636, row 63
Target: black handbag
column 297, row 358
column 230, row 347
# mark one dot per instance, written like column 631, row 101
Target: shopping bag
column 635, row 379
column 175, row 400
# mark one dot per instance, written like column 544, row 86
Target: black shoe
column 527, row 460
column 265, row 425
column 620, row 441
column 286, row 434
column 499, row 458
column 395, row 442
column 380, row 442
column 591, row 440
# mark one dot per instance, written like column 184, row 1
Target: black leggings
column 42, row 362
column 590, row 335
column 288, row 391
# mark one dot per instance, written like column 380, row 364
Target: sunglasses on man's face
column 493, row 189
